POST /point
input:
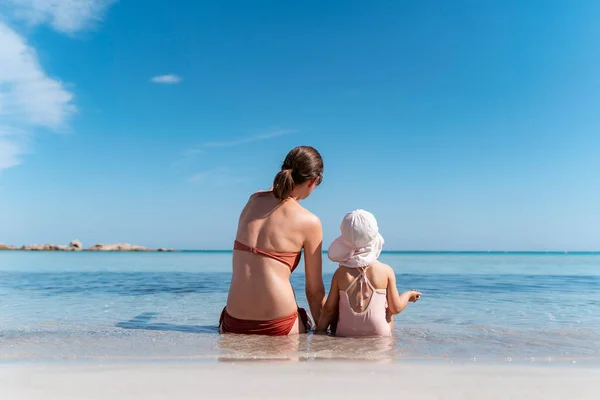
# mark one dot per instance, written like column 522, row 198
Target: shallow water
column 534, row 307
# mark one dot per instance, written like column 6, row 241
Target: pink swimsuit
column 372, row 321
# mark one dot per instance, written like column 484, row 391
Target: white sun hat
column 360, row 243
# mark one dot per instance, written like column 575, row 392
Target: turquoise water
column 534, row 307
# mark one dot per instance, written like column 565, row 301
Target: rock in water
column 46, row 247
column 139, row 248
column 122, row 247
column 76, row 245
column 37, row 247
column 96, row 247
column 117, row 247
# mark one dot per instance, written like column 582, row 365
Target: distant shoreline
column 77, row 246
column 391, row 252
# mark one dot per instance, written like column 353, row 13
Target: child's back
column 363, row 304
column 363, row 295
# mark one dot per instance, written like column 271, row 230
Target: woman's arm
column 315, row 290
column 398, row 302
column 330, row 309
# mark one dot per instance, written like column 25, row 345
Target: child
column 363, row 295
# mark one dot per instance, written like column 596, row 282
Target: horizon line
column 437, row 251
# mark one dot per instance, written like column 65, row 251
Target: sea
column 476, row 307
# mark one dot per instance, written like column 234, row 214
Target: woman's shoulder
column 309, row 220
column 301, row 220
column 302, row 214
column 292, row 209
column 261, row 193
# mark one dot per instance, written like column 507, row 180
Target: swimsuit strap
column 361, row 279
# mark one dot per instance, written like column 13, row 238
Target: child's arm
column 330, row 309
column 398, row 302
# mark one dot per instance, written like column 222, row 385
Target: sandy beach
column 276, row 380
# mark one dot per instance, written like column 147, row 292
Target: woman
column 273, row 229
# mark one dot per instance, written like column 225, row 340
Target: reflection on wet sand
column 234, row 347
column 340, row 348
column 305, row 347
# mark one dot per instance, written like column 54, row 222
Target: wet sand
column 294, row 380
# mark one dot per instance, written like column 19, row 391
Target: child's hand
column 413, row 296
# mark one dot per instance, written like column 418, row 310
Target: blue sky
column 463, row 125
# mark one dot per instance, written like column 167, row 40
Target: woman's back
column 273, row 229
column 260, row 286
column 271, row 223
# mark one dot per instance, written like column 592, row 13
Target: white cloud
column 166, row 79
column 250, row 139
column 11, row 149
column 28, row 97
column 67, row 16
column 217, row 177
column 239, row 141
column 199, row 176
column 203, row 148
column 9, row 154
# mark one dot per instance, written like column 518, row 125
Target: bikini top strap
column 362, row 277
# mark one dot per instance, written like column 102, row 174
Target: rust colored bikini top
column 290, row 259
